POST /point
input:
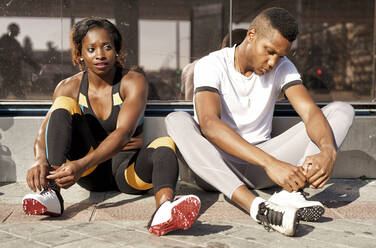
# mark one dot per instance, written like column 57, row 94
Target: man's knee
column 342, row 107
column 176, row 119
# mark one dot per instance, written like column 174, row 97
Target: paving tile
column 13, row 193
column 88, row 243
column 259, row 235
column 346, row 190
column 26, row 230
column 223, row 211
column 359, row 227
column 5, row 236
column 77, row 194
column 72, row 212
column 111, row 219
column 124, row 210
column 354, row 210
column 337, row 237
column 22, row 243
column 92, row 228
column 138, row 236
column 58, row 237
column 5, row 211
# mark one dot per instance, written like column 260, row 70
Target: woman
column 93, row 135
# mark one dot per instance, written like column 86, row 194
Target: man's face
column 264, row 51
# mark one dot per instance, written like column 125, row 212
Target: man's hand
column 66, row 175
column 318, row 168
column 289, row 177
column 36, row 175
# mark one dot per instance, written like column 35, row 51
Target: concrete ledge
column 356, row 158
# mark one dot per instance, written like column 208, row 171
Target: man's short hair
column 279, row 19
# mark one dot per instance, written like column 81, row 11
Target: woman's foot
column 48, row 202
column 178, row 214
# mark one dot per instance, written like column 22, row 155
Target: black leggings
column 68, row 137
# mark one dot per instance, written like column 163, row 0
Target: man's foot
column 280, row 218
column 308, row 210
column 48, row 202
column 179, row 214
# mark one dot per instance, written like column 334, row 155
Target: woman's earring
column 81, row 59
column 116, row 55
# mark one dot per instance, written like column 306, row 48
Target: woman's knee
column 66, row 103
column 163, row 142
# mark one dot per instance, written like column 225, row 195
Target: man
column 229, row 144
column 187, row 72
column 11, row 56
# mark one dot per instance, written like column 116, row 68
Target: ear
column 251, row 34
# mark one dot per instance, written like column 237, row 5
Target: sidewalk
column 111, row 219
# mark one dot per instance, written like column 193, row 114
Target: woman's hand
column 36, row 175
column 66, row 175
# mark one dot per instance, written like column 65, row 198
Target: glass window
column 334, row 51
column 34, row 53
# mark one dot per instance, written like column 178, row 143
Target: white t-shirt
column 247, row 102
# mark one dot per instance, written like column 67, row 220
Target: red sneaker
column 179, row 214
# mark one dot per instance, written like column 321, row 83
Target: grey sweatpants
column 226, row 174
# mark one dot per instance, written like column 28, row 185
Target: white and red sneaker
column 48, row 202
column 179, row 214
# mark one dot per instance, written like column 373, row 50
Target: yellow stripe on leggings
column 67, row 103
column 90, row 170
column 134, row 181
column 163, row 141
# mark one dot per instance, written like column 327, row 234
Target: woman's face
column 98, row 51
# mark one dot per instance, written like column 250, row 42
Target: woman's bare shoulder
column 133, row 80
column 69, row 86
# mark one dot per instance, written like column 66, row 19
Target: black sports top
column 102, row 128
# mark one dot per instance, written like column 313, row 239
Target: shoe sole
column 310, row 213
column 183, row 215
column 34, row 207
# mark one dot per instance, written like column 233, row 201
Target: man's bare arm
column 318, row 129
column 208, row 110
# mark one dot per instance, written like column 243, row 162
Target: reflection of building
column 54, row 70
column 162, row 84
column 360, row 64
column 333, row 51
column 336, row 57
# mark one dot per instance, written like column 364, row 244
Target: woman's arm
column 36, row 175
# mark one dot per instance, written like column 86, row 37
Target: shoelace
column 269, row 216
column 303, row 193
column 47, row 193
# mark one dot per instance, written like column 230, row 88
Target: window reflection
column 34, row 57
column 334, row 51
